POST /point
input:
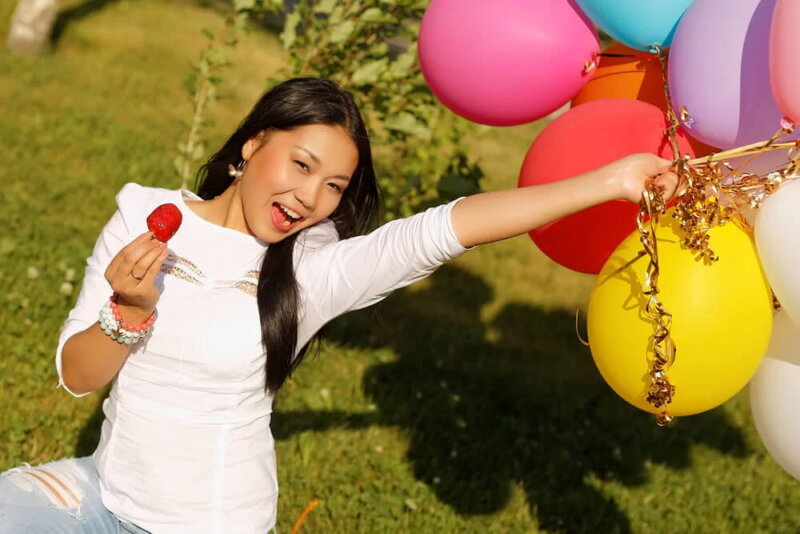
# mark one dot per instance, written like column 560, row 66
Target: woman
column 270, row 250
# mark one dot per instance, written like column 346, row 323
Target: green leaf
column 325, row 7
column 190, row 83
column 342, row 31
column 178, row 163
column 273, row 5
column 7, row 246
column 240, row 5
column 402, row 65
column 461, row 178
column 452, row 186
column 217, row 57
column 240, row 25
column 369, row 72
column 203, row 67
column 289, row 33
column 376, row 14
column 197, row 151
column 336, row 17
column 379, row 49
column 407, row 123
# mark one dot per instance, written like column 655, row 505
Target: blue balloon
column 637, row 23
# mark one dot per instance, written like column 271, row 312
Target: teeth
column 290, row 213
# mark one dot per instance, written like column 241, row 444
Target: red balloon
column 584, row 138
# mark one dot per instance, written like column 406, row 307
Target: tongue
column 279, row 218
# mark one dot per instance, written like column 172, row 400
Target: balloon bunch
column 685, row 331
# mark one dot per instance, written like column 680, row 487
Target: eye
column 335, row 187
column 302, row 165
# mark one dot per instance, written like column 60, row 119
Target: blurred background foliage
column 370, row 47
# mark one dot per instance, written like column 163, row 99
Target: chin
column 274, row 236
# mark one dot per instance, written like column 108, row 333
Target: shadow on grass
column 527, row 408
column 270, row 21
column 66, row 17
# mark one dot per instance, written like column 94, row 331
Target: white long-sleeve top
column 185, row 446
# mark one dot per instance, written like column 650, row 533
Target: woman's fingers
column 123, row 263
column 663, row 165
column 132, row 272
column 139, row 269
column 153, row 260
column 668, row 181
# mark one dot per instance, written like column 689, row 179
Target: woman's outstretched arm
column 498, row 215
column 357, row 272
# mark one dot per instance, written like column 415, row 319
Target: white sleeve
column 96, row 289
column 355, row 273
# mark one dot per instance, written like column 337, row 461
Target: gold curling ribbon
column 707, row 197
column 710, row 192
column 660, row 391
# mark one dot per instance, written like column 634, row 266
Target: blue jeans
column 61, row 497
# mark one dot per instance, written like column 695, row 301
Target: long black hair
column 291, row 104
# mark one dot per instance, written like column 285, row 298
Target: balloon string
column 674, row 124
column 632, row 56
column 640, row 255
column 742, row 151
column 768, row 143
column 584, row 342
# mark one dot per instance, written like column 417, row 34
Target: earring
column 236, row 172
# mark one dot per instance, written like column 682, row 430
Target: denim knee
column 58, row 497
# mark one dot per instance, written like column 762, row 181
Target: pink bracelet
column 127, row 326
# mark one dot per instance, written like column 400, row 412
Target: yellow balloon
column 721, row 318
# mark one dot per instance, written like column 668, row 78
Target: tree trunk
column 31, row 26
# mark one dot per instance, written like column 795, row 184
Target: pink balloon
column 505, row 62
column 784, row 58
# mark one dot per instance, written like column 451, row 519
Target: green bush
column 370, row 48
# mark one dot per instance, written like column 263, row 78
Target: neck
column 226, row 209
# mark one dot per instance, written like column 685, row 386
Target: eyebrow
column 315, row 158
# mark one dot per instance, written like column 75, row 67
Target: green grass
column 463, row 404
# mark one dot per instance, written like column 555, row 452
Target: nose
column 307, row 194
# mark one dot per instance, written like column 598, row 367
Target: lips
column 284, row 218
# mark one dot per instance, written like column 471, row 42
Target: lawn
column 463, row 404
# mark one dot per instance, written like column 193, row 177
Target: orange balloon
column 636, row 76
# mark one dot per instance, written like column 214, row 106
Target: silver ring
column 136, row 277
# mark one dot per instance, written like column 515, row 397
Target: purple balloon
column 719, row 72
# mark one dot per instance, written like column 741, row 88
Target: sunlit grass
column 463, row 404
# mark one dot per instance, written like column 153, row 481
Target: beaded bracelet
column 116, row 328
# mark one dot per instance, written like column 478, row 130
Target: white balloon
column 777, row 234
column 775, row 395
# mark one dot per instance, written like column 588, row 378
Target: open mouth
column 284, row 217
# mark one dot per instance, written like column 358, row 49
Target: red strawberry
column 164, row 221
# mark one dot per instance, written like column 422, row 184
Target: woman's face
column 294, row 179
